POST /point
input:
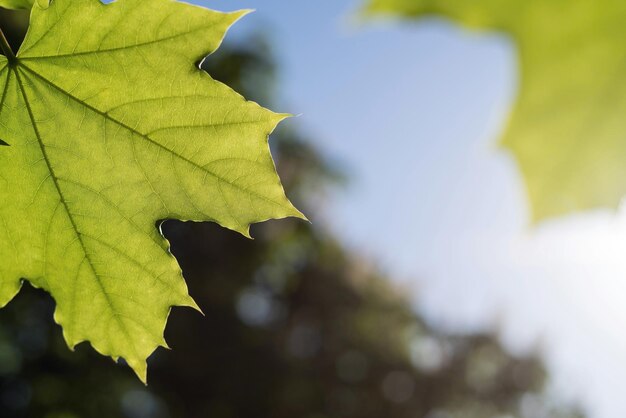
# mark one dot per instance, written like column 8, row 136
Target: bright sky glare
column 414, row 111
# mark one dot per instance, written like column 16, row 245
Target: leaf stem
column 6, row 48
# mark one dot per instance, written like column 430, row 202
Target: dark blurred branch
column 14, row 23
column 6, row 48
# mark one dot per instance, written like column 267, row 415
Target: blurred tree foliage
column 295, row 326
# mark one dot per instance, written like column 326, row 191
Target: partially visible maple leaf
column 567, row 129
column 112, row 126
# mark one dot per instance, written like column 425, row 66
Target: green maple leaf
column 567, row 130
column 111, row 127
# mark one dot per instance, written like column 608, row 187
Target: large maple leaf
column 111, row 127
column 567, row 129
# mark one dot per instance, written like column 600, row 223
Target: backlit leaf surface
column 112, row 127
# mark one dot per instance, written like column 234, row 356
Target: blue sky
column 414, row 112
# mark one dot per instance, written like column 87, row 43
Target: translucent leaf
column 112, row 127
